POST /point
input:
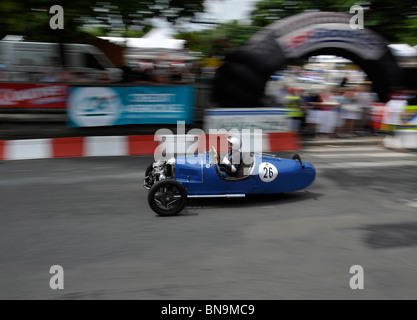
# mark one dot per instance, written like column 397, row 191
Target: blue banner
column 112, row 106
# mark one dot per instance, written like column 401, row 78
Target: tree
column 30, row 18
column 395, row 20
column 219, row 40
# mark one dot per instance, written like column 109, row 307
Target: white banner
column 266, row 119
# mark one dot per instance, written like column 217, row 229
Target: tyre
column 240, row 81
column 250, row 67
column 167, row 197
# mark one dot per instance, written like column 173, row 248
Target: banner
column 33, row 95
column 111, row 106
column 408, row 119
column 266, row 119
column 314, row 37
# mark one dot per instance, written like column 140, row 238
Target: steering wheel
column 216, row 154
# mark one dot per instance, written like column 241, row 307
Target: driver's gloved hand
column 226, row 161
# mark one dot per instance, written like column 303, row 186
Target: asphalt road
column 90, row 216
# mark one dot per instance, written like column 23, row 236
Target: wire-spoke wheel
column 167, row 197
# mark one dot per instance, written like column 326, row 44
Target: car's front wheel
column 167, row 197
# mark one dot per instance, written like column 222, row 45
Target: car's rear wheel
column 167, row 197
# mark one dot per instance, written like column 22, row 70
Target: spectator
column 395, row 108
column 49, row 75
column 351, row 113
column 294, row 103
column 312, row 111
column 328, row 115
column 365, row 98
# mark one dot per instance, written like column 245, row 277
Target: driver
column 231, row 163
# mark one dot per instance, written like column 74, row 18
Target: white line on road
column 67, row 180
column 344, row 149
column 357, row 165
column 365, row 155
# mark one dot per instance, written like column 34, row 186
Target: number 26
column 269, row 173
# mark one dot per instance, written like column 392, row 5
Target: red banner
column 33, row 95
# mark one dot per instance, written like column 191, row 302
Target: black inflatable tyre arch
column 240, row 81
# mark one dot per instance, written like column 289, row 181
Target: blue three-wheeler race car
column 170, row 182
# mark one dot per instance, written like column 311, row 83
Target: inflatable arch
column 241, row 80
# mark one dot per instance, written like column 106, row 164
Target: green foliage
column 219, row 40
column 31, row 18
column 395, row 20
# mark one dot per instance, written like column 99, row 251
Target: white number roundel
column 267, row 172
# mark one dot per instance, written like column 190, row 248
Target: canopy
column 157, row 38
column 156, row 44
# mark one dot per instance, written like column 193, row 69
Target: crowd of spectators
column 174, row 72
column 335, row 113
column 343, row 111
column 140, row 73
column 338, row 109
column 335, row 101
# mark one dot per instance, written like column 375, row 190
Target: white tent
column 403, row 50
column 328, row 59
column 157, row 38
column 157, row 43
column 405, row 55
column 12, row 37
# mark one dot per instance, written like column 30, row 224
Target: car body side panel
column 202, row 178
column 212, row 184
column 189, row 169
column 291, row 175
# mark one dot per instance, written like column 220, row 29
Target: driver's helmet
column 235, row 143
